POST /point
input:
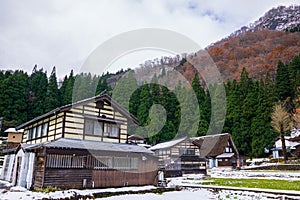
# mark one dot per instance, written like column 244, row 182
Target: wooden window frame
column 33, row 131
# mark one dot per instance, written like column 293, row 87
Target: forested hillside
column 24, row 97
column 257, row 51
column 249, row 102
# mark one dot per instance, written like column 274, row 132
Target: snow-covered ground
column 22, row 193
column 228, row 173
column 201, row 194
column 187, row 193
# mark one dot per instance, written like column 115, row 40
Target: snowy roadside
column 202, row 194
column 188, row 193
column 228, row 173
column 24, row 194
column 190, row 189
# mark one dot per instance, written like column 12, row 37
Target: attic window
column 100, row 104
column 228, row 150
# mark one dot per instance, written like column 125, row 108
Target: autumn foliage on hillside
column 257, row 51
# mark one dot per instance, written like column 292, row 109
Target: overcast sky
column 63, row 33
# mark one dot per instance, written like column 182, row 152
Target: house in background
column 80, row 145
column 14, row 137
column 292, row 144
column 219, row 149
column 135, row 139
column 179, row 156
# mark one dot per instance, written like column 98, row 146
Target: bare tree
column 281, row 123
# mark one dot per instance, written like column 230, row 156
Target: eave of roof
column 67, row 143
column 295, row 139
column 225, row 155
column 168, row 144
column 101, row 96
column 13, row 130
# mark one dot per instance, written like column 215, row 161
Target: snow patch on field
column 192, row 180
column 185, row 194
column 22, row 193
column 229, row 173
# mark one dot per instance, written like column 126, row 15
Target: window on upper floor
column 37, row 131
column 187, row 151
column 111, row 130
column 228, row 148
column 95, row 127
column 44, row 129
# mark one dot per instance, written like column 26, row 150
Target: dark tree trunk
column 283, row 147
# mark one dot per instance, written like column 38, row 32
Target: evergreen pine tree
column 52, row 100
column 13, row 99
column 37, row 91
column 283, row 85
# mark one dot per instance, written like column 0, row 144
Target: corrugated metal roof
column 66, row 143
column 167, row 144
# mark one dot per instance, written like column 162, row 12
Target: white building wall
column 10, row 168
column 23, row 170
column 18, row 155
column 212, row 162
column 30, row 170
column 275, row 154
column 3, row 171
column 26, row 169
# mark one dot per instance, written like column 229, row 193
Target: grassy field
column 255, row 183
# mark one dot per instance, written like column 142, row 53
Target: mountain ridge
column 258, row 47
column 281, row 18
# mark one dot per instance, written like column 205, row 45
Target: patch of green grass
column 255, row 183
column 48, row 189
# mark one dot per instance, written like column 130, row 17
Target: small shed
column 14, row 137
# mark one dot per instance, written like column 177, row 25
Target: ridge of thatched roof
column 213, row 145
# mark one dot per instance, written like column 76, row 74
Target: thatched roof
column 214, row 145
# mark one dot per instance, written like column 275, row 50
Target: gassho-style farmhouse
column 86, row 145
